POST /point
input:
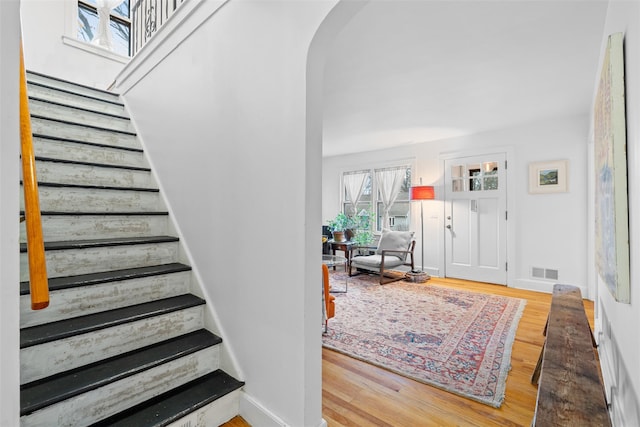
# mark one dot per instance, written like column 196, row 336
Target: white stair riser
column 76, row 174
column 71, row 262
column 83, row 300
column 64, row 150
column 215, row 413
column 105, row 401
column 75, row 227
column 96, row 200
column 73, row 99
column 71, row 87
column 42, row 360
column 75, row 115
column 81, row 133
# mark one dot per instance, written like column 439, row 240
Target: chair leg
column 391, row 279
column 351, row 274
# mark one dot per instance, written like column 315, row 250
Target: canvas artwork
column 611, row 205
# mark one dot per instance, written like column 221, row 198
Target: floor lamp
column 421, row 193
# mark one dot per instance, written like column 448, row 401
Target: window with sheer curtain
column 381, row 193
column 119, row 24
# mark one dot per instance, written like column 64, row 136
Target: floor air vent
column 544, row 273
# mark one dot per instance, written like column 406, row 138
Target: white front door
column 476, row 218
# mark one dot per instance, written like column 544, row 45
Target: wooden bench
column 570, row 387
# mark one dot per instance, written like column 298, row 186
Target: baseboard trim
column 546, row 287
column 257, row 415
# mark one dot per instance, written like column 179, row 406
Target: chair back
column 325, row 281
column 328, row 298
column 396, row 241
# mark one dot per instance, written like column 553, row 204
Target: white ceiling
column 404, row 72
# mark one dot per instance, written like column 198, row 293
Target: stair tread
column 45, row 392
column 177, row 403
column 40, row 334
column 94, row 144
column 35, row 73
column 95, row 187
column 86, row 110
column 95, row 243
column 39, row 116
column 99, row 165
column 93, row 98
column 82, row 213
column 59, row 283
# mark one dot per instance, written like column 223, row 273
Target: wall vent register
column 544, row 273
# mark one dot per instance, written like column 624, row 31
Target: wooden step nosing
column 98, row 165
column 95, row 187
column 74, row 213
column 81, row 95
column 106, row 92
column 94, row 405
column 67, row 122
column 153, row 356
column 101, row 243
column 82, row 213
column 161, row 410
column 94, row 322
column 93, row 144
column 81, row 280
column 74, row 107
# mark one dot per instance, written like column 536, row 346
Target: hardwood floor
column 355, row 393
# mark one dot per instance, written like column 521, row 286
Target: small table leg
column 346, row 281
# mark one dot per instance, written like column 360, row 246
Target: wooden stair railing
column 38, row 282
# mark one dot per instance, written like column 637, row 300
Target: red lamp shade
column 422, row 192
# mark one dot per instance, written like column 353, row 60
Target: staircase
column 123, row 341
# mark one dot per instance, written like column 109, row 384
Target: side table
column 332, row 261
column 344, row 247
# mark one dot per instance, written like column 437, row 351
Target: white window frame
column 371, row 169
column 70, row 37
column 113, row 16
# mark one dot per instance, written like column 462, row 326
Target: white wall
column 9, row 208
column 49, row 30
column 222, row 117
column 546, row 230
column 617, row 324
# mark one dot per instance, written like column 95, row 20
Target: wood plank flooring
column 355, row 393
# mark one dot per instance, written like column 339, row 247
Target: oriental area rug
column 455, row 340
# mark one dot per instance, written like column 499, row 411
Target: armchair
column 328, row 299
column 392, row 251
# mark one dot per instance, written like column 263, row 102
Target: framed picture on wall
column 548, row 177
